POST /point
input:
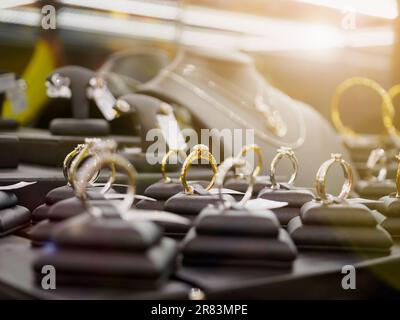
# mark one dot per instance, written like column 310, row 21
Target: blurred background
column 303, row 47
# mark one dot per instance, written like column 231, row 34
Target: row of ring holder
column 225, row 233
column 229, row 234
column 389, row 206
column 376, row 182
column 337, row 224
column 61, row 203
column 114, row 245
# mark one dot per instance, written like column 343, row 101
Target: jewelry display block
column 109, row 253
column 343, row 227
column 62, row 210
column 12, row 216
column 390, row 208
column 162, row 191
column 58, row 194
column 190, row 205
column 295, row 198
column 238, row 238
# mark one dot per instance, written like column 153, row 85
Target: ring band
column 377, row 157
column 91, row 148
column 199, row 151
column 388, row 118
column 281, row 153
column 224, row 168
column 387, row 106
column 164, row 161
column 321, row 178
column 398, row 176
column 257, row 150
column 68, row 161
column 107, row 160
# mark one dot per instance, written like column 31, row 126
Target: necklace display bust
column 223, row 90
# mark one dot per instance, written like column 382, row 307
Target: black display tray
column 314, row 276
column 42, row 148
column 17, row 279
column 48, row 178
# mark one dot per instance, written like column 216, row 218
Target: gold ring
column 68, row 161
column 281, row 153
column 321, row 178
column 398, row 177
column 103, row 160
column 387, row 106
column 91, row 148
column 377, row 157
column 257, row 150
column 164, row 161
column 389, row 119
column 199, row 151
column 224, row 168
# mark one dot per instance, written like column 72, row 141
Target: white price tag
column 264, row 204
column 215, row 191
column 156, row 216
column 110, row 196
column 171, row 131
column 16, row 186
column 105, row 101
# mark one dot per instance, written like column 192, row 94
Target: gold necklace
column 169, row 73
column 272, row 118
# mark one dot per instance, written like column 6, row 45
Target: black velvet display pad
column 237, row 223
column 163, row 191
column 341, row 238
column 62, row 193
column 79, row 127
column 190, row 204
column 238, row 251
column 40, row 233
column 286, row 214
column 72, row 207
column 66, row 192
column 9, row 145
column 7, row 200
column 60, row 211
column 58, row 194
column 86, row 232
column 40, row 213
column 105, row 251
column 341, row 214
column 241, row 185
column 13, row 219
column 375, row 189
column 113, row 268
column 237, row 237
column 42, row 148
column 294, row 197
column 150, row 205
column 390, row 206
column 392, row 225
